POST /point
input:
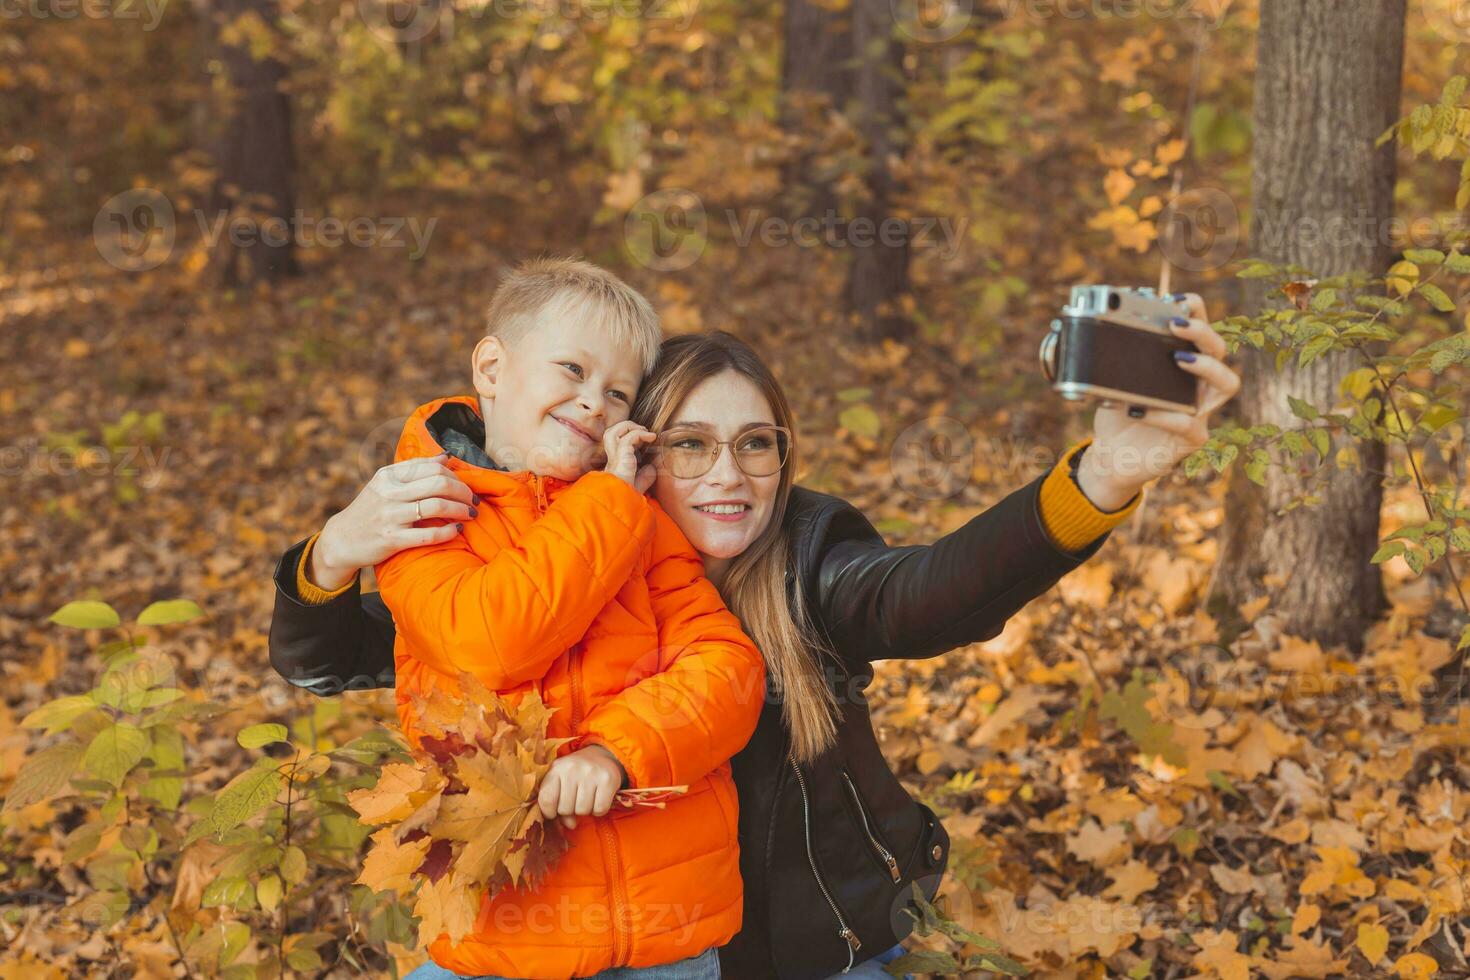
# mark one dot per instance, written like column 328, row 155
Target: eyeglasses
column 689, row 453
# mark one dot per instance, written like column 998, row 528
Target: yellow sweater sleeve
column 307, row 590
column 1071, row 519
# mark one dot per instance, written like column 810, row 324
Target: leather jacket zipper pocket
column 848, row 936
column 882, row 853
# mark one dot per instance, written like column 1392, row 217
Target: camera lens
column 1114, row 300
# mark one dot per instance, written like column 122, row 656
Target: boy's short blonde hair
column 575, row 288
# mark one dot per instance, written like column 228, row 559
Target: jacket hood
column 454, row 425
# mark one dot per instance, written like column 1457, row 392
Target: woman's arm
column 341, row 643
column 326, row 636
column 876, row 602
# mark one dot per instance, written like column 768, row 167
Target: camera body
column 1113, row 343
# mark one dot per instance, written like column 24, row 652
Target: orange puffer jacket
column 589, row 594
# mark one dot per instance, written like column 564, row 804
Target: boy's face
column 550, row 396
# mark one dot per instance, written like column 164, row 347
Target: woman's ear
column 486, row 363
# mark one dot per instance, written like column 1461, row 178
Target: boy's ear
column 486, row 364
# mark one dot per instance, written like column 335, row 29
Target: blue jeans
column 705, row 966
column 872, row 969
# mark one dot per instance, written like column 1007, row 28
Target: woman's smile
column 724, row 510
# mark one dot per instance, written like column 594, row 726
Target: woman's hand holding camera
column 1130, row 448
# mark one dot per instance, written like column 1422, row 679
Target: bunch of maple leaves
column 461, row 821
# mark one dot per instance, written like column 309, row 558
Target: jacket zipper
column 604, row 832
column 882, row 851
column 540, row 493
column 848, row 936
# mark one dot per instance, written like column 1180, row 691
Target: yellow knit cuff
column 307, row 590
column 1071, row 519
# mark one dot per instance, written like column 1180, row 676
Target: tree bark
column 255, row 159
column 1327, row 84
column 847, row 61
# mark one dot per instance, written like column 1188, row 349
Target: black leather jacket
column 829, row 852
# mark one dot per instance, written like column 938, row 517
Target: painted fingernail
column 1184, row 355
column 474, row 512
column 459, row 528
column 475, row 498
column 1178, row 321
column 1136, row 411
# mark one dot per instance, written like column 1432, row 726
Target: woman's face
column 724, row 405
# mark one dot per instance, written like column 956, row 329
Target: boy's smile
column 549, row 397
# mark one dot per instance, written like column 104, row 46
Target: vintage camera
column 1113, row 343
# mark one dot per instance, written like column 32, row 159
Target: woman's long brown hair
column 755, row 585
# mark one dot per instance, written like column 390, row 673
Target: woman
column 830, row 840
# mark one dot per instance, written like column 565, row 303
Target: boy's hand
column 582, row 783
column 621, row 443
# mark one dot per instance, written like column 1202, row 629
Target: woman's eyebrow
column 706, row 426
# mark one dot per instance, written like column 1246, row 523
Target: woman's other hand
column 383, row 519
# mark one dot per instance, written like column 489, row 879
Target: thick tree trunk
column 879, row 277
column 1327, row 84
column 848, row 61
column 256, row 162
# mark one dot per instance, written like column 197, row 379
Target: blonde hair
column 755, row 584
column 571, row 287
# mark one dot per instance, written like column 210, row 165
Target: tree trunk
column 847, row 61
column 1326, row 85
column 256, row 163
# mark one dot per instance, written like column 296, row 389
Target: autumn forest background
column 241, row 239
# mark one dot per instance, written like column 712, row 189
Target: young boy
column 567, row 581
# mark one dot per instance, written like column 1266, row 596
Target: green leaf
column 1416, row 559
column 1321, row 441
column 1424, row 256
column 43, row 775
column 302, row 958
column 1221, row 782
column 243, row 797
column 165, row 785
column 862, row 420
column 293, row 865
column 255, row 736
column 115, row 751
column 1302, row 409
column 56, row 716
column 1464, row 640
column 167, row 611
column 1313, row 348
column 1453, row 90
column 237, row 936
column 1437, row 297
column 87, row 614
column 854, row 394
column 1457, row 262
column 1389, row 550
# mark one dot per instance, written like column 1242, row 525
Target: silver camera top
column 1128, row 306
